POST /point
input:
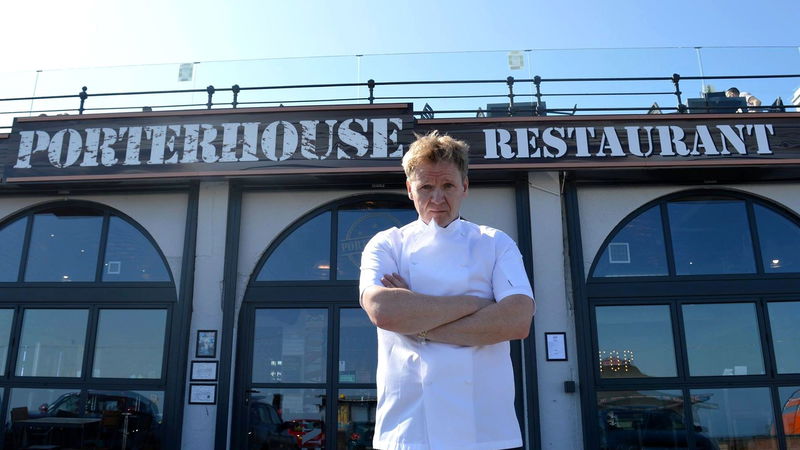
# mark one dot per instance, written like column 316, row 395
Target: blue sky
column 57, row 34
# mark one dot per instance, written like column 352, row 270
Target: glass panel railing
column 698, row 68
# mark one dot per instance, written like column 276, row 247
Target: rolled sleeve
column 377, row 259
column 509, row 276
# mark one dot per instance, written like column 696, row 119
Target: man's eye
column 426, row 187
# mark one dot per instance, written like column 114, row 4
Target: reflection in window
column 735, row 418
column 35, row 402
column 358, row 347
column 12, row 237
column 722, row 347
column 144, row 414
column 780, row 241
column 635, row 341
column 790, row 413
column 303, row 255
column 130, row 256
column 130, row 343
column 711, row 237
column 356, row 228
column 642, row 419
column 302, row 411
column 637, row 249
column 783, row 318
column 290, row 346
column 64, row 245
column 356, row 414
column 6, row 320
column 52, row 343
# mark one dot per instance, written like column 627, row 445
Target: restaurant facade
column 188, row 279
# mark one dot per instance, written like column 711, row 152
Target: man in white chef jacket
column 447, row 296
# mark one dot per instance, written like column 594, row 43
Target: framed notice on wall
column 204, row 371
column 556, row 346
column 202, row 394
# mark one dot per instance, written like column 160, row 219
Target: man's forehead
column 438, row 169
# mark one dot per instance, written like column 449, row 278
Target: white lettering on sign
column 277, row 141
column 640, row 141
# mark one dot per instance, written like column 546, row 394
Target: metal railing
column 506, row 91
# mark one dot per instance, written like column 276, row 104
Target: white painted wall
column 199, row 421
column 559, row 412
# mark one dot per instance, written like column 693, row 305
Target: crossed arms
column 458, row 319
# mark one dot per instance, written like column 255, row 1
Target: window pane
column 790, row 411
column 779, row 238
column 642, row 419
column 357, row 225
column 711, row 237
column 356, row 424
column 64, row 246
column 304, row 255
column 12, row 237
column 635, row 341
column 735, row 418
column 303, row 411
column 130, row 256
column 130, row 343
column 290, row 346
column 358, row 347
column 785, row 335
column 636, row 250
column 143, row 411
column 723, row 347
column 52, row 343
column 6, row 319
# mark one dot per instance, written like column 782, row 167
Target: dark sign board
column 351, row 139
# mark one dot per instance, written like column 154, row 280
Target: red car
column 308, row 432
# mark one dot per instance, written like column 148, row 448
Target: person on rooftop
column 752, row 100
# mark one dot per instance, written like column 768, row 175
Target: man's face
column 437, row 190
column 730, row 94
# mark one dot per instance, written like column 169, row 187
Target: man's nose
column 438, row 196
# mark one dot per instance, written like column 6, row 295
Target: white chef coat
column 440, row 396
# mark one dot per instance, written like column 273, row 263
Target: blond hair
column 434, row 147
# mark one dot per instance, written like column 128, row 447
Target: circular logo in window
column 361, row 231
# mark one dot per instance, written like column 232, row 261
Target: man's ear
column 466, row 185
column 408, row 189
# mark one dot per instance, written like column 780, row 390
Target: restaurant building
column 188, row 279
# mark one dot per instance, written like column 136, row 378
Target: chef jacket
column 433, row 395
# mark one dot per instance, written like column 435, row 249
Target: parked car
column 629, row 428
column 310, row 433
column 360, row 436
column 266, row 430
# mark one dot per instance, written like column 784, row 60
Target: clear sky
column 50, row 34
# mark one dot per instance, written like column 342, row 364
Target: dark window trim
column 749, row 200
column 761, row 289
column 106, row 212
column 333, row 207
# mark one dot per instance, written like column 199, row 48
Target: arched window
column 694, row 300
column 310, row 350
column 85, row 304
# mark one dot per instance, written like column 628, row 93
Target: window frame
column 92, row 296
column 760, row 288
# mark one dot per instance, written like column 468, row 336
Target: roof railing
column 511, row 96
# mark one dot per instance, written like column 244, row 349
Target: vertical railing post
column 510, row 83
column 235, row 88
column 371, row 86
column 83, row 96
column 210, row 89
column 676, row 79
column 537, row 83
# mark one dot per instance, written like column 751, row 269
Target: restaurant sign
column 374, row 138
